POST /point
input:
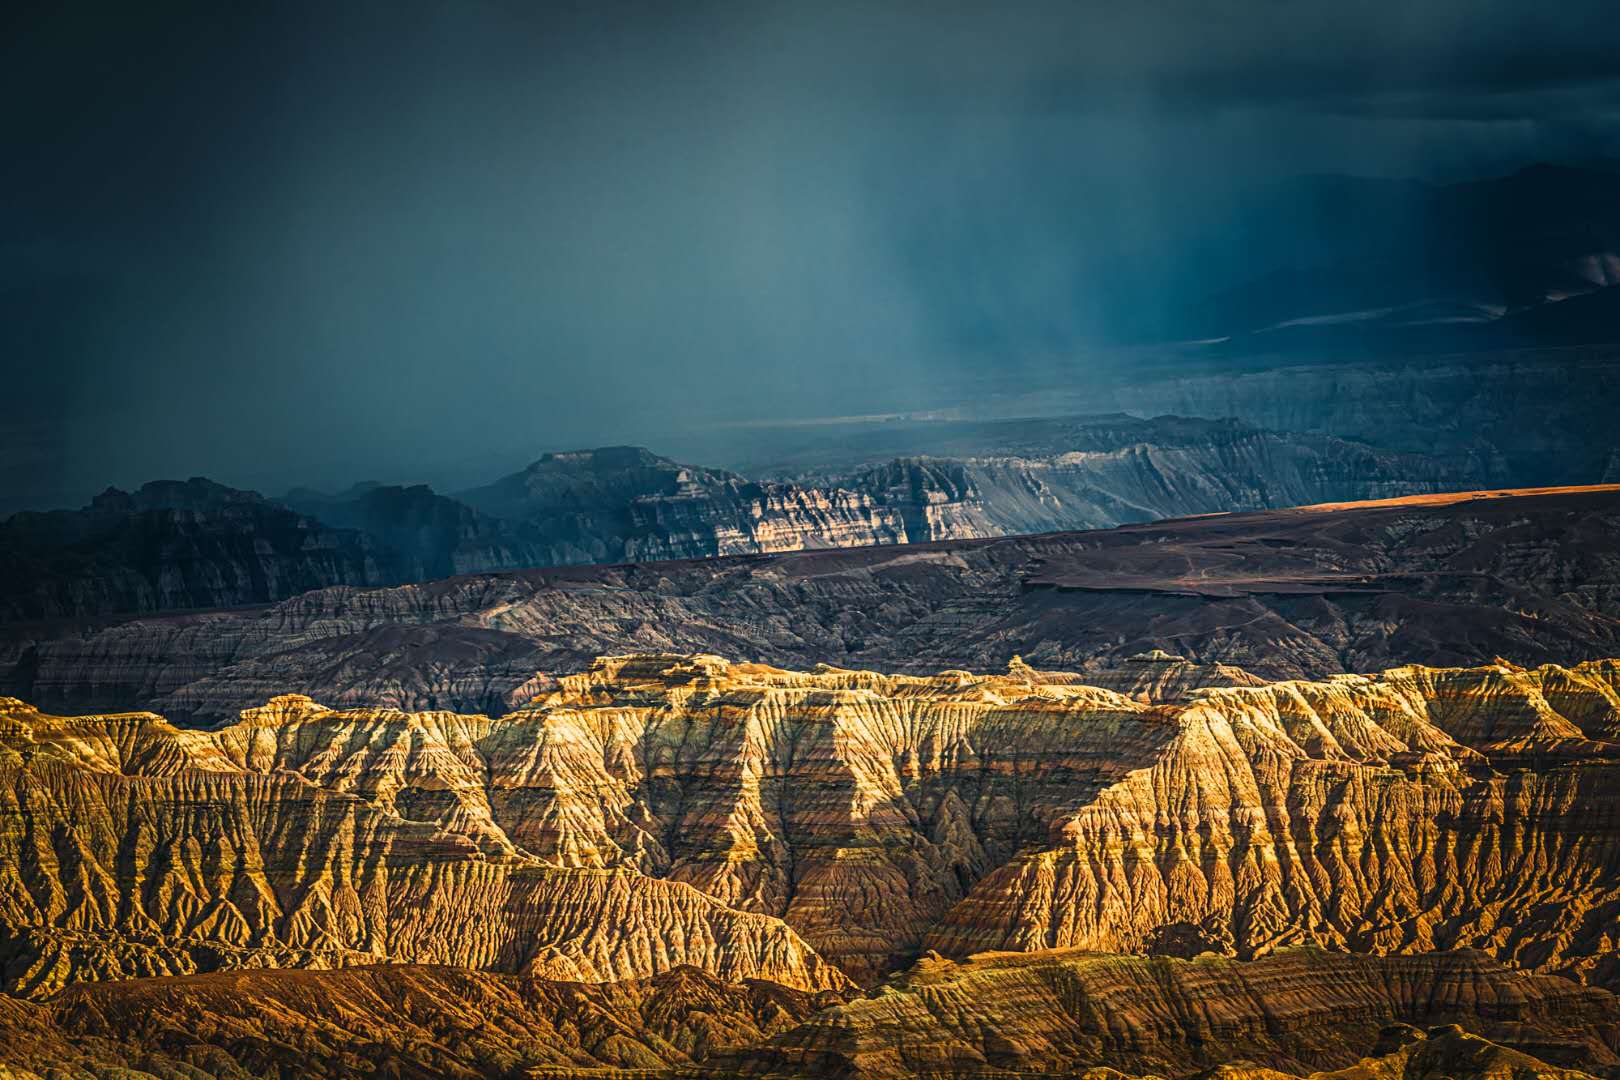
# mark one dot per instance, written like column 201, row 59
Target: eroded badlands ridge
column 815, row 827
column 390, row 1020
column 1061, row 1011
column 1055, row 1012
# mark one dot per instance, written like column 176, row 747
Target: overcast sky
column 312, row 245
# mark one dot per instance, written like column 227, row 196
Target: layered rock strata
column 1063, row 1012
column 1058, row 1012
column 399, row 1020
column 1285, row 594
column 807, row 826
column 200, row 545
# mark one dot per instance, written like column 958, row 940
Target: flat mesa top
column 1315, row 549
column 1447, row 498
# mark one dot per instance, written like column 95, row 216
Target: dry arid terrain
column 782, row 540
column 866, row 874
column 1533, row 578
column 1332, row 788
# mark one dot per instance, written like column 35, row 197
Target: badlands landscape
column 1260, row 793
column 867, row 541
column 1285, row 755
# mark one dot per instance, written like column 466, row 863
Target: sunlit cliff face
column 811, row 828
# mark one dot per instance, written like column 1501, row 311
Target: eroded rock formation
column 1066, row 1013
column 1420, row 809
column 1061, row 1012
column 303, row 838
column 804, row 826
column 198, row 544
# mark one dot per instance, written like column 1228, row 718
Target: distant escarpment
column 200, row 545
column 172, row 545
column 984, row 479
column 812, row 828
column 1545, row 416
column 1444, row 581
column 1028, row 476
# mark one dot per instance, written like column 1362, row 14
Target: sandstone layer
column 813, row 827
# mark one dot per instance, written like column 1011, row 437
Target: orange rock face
column 305, row 838
column 1035, row 1014
column 399, row 1020
column 1420, row 809
column 1060, row 1012
column 812, row 828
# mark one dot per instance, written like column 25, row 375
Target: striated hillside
column 328, row 841
column 1299, row 1011
column 804, row 826
column 1308, row 593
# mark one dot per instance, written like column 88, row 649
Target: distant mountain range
column 1293, row 265
column 197, row 544
column 1351, row 338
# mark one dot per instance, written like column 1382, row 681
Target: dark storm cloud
column 310, row 243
